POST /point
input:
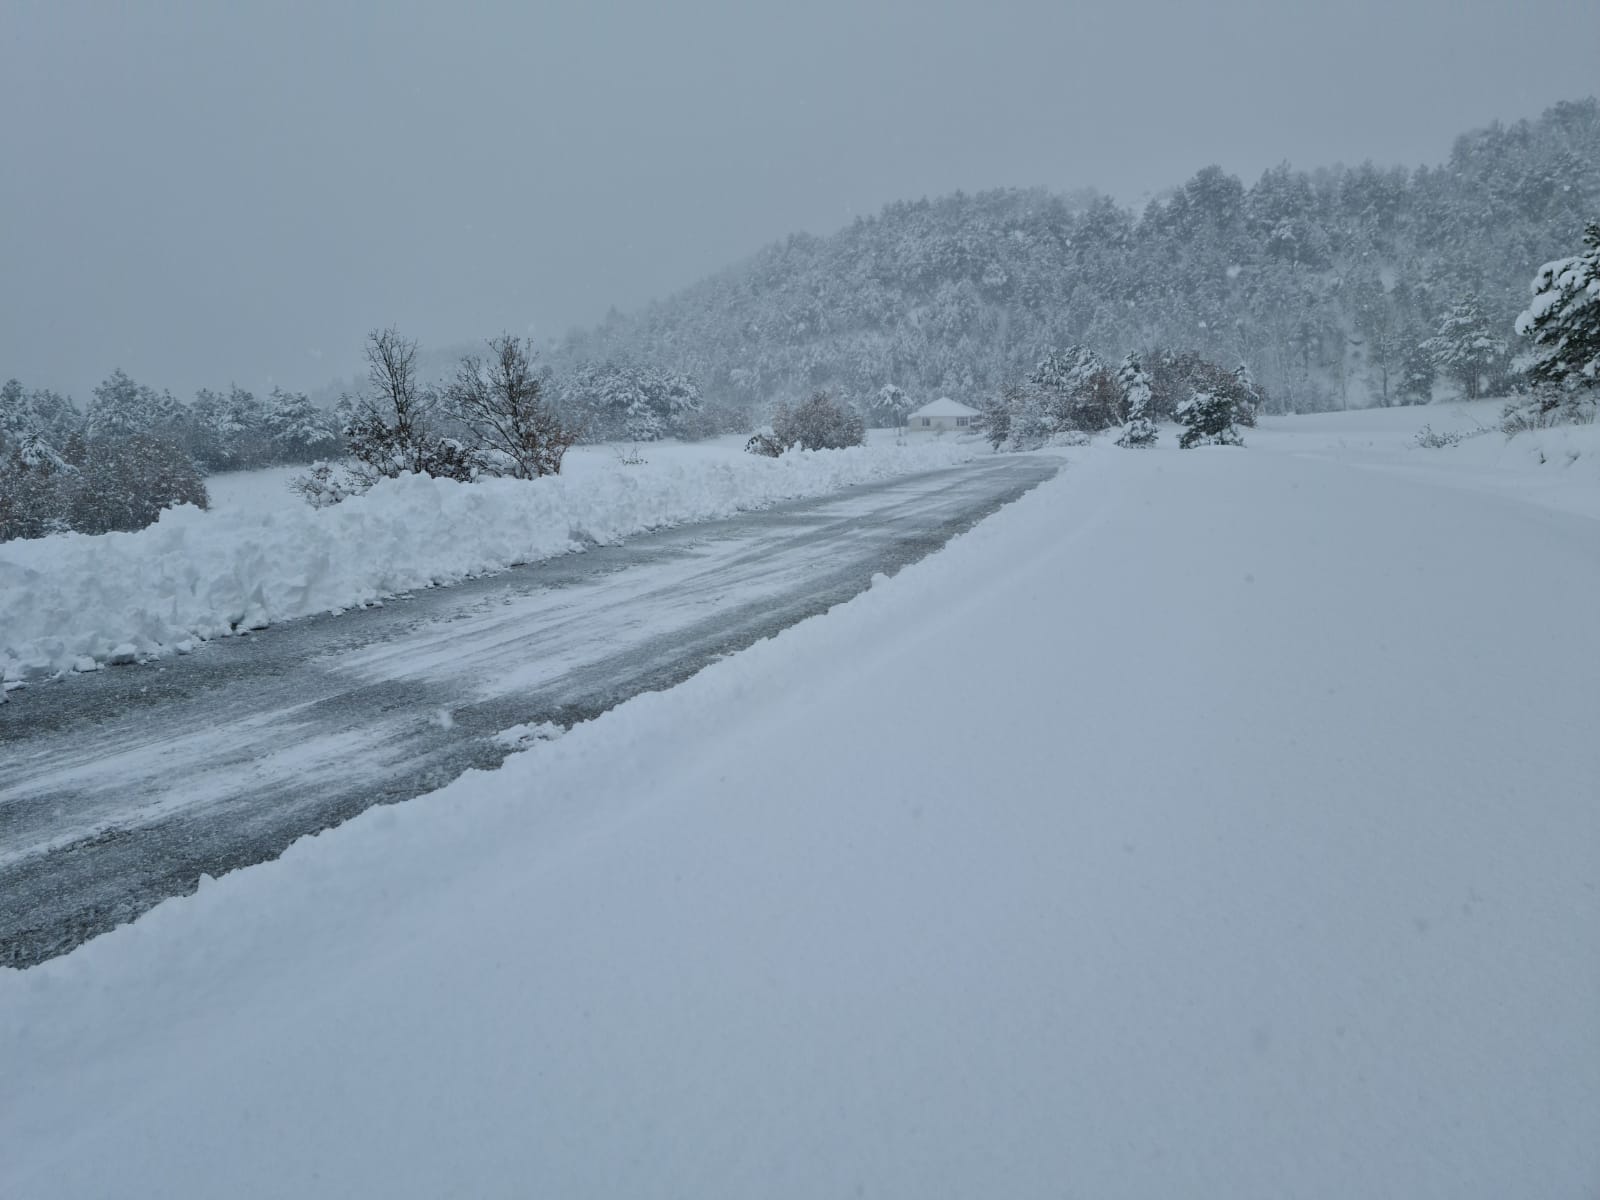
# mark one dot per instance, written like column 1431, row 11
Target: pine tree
column 624, row 402
column 125, row 483
column 996, row 419
column 122, row 408
column 1032, row 417
column 35, row 481
column 1208, row 420
column 1140, row 430
column 298, row 429
column 227, row 430
column 1563, row 320
column 1076, row 390
column 1465, row 347
column 1417, row 374
column 892, row 404
column 15, row 419
column 1250, row 398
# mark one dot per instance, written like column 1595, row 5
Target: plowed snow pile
column 74, row 601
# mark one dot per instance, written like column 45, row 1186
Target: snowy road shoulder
column 73, row 602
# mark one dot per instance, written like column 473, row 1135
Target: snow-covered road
column 124, row 787
column 1210, row 823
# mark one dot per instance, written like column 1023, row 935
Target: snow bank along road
column 122, row 788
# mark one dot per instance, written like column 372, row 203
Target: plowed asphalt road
column 121, row 788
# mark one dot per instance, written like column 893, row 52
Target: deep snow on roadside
column 1558, row 467
column 75, row 601
column 1215, row 823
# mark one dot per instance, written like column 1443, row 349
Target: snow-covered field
column 1218, row 823
column 73, row 602
column 1556, row 468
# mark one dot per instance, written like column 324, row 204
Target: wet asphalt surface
column 121, row 788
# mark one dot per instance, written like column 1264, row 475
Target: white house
column 943, row 413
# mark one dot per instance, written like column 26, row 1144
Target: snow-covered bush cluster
column 94, row 486
column 818, row 424
column 136, row 451
column 1430, row 440
column 1073, row 393
column 624, row 402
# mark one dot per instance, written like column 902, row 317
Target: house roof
column 945, row 407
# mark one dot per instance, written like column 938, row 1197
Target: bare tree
column 501, row 401
column 391, row 424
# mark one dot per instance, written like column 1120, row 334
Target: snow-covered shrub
column 765, row 445
column 1429, row 440
column 384, row 449
column 1070, row 437
column 390, row 429
column 500, row 402
column 1546, row 407
column 324, row 485
column 818, row 424
column 1208, row 420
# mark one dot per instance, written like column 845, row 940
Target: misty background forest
column 1343, row 287
column 1328, row 284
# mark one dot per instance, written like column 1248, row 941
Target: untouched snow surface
column 1214, row 823
column 1557, row 467
column 74, row 601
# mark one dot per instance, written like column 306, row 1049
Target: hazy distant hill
column 1321, row 281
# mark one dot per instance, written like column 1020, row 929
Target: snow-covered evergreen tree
column 122, row 408
column 1032, row 420
column 40, row 413
column 996, row 420
column 35, row 482
column 227, row 430
column 126, row 482
column 891, row 405
column 1563, row 320
column 1465, row 346
column 298, row 429
column 1417, row 373
column 625, row 402
column 1208, row 420
column 1077, row 390
column 1139, row 430
column 1249, row 399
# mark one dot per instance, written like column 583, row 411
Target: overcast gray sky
column 200, row 191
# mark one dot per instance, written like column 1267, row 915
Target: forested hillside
column 1328, row 284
